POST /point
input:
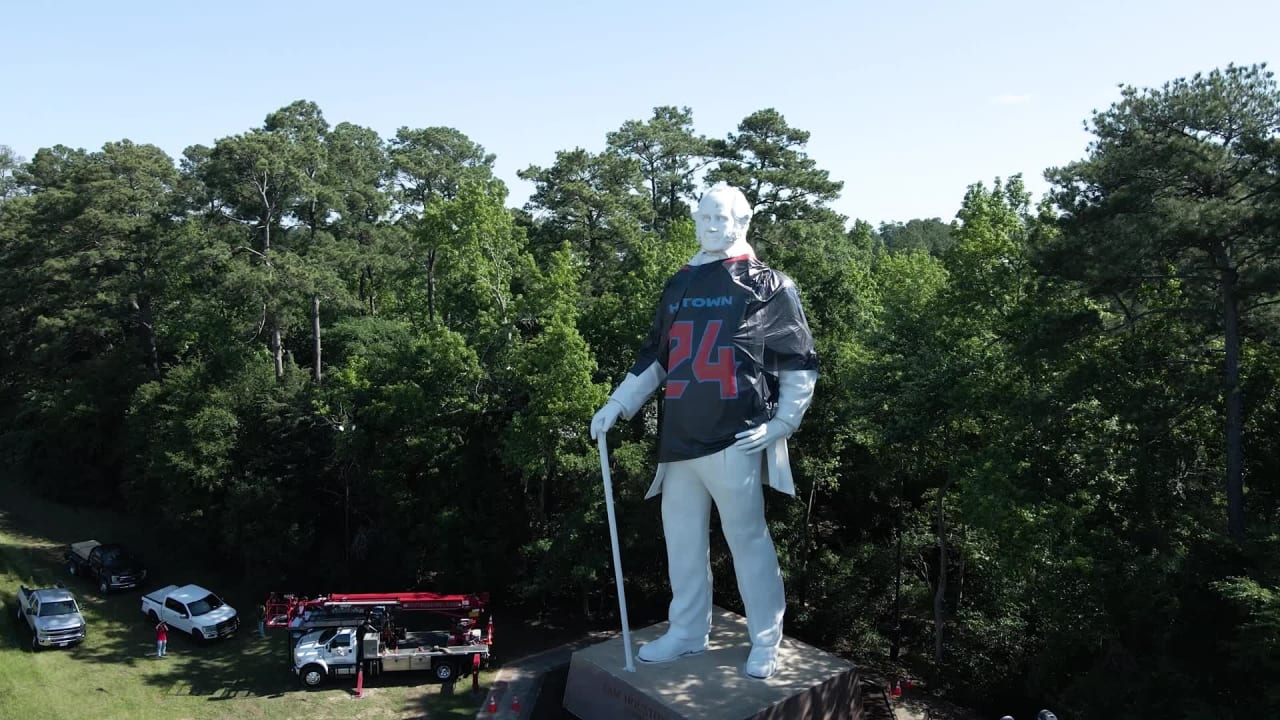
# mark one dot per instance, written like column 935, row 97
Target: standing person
column 262, row 620
column 162, row 638
column 732, row 346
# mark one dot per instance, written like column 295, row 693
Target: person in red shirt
column 162, row 638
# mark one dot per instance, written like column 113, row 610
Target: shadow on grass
column 37, row 533
column 440, row 702
column 227, row 669
column 34, row 535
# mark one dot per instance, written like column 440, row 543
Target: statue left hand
column 605, row 418
column 760, row 437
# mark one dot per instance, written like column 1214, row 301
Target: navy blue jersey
column 722, row 332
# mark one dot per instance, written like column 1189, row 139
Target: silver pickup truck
column 53, row 616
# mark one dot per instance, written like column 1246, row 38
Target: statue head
column 722, row 218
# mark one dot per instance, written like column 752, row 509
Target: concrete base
column 810, row 684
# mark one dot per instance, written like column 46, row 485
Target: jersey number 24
column 719, row 369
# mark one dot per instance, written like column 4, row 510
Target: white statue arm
column 628, row 398
column 633, row 391
column 795, row 394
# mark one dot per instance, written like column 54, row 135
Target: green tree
column 1178, row 190
column 9, row 164
column 434, row 162
column 465, row 254
column 293, row 200
column 931, row 235
column 359, row 170
column 670, row 155
column 596, row 202
column 555, row 368
column 766, row 159
column 98, row 256
column 254, row 183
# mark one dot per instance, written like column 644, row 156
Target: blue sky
column 907, row 102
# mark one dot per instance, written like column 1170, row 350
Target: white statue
column 731, row 344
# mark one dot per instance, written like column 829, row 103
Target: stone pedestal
column 810, row 684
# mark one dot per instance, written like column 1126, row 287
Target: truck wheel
column 444, row 672
column 151, row 615
column 196, row 635
column 35, row 644
column 102, row 587
column 312, row 676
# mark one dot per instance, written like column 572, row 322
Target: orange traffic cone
column 493, row 704
column 360, row 682
column 897, row 689
column 515, row 703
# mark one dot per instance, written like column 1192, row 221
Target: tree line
column 1041, row 464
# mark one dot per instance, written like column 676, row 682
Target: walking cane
column 617, row 559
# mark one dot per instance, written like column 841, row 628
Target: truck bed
column 427, row 639
column 82, row 549
column 433, row 643
column 157, row 596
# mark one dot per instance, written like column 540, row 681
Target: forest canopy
column 1042, row 463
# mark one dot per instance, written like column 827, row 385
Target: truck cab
column 330, row 652
column 53, row 616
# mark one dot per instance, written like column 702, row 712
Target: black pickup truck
column 111, row 564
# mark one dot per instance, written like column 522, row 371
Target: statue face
column 715, row 224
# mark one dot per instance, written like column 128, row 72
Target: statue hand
column 760, row 437
column 605, row 418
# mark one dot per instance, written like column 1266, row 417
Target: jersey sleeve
column 654, row 349
column 788, row 343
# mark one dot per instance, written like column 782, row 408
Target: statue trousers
column 732, row 480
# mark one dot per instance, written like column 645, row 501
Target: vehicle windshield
column 204, row 605
column 115, row 558
column 59, row 607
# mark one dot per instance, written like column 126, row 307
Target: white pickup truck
column 53, row 616
column 191, row 609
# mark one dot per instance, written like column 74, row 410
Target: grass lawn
column 115, row 674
